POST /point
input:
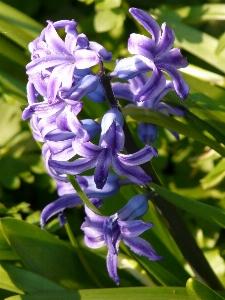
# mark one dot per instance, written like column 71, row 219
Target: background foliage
column 43, row 265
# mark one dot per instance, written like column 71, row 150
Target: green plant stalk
column 168, row 211
column 74, row 243
column 81, row 193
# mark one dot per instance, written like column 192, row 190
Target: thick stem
column 171, row 217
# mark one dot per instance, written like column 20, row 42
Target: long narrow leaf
column 201, row 210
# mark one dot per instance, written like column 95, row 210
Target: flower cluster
column 60, row 75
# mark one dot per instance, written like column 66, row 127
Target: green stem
column 81, row 193
column 74, row 243
column 168, row 211
column 176, row 225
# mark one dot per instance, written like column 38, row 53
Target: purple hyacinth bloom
column 100, row 231
column 69, row 198
column 153, row 54
column 147, row 132
column 54, row 60
column 106, row 154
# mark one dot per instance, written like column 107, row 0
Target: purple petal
column 39, row 83
column 40, row 64
column 66, row 201
column 129, row 67
column 101, row 51
column 122, row 90
column 134, row 173
column 78, row 166
column 147, row 22
column 109, row 117
column 92, row 127
column 138, row 158
column 94, row 219
column 97, row 95
column 166, row 41
column 102, row 168
column 54, row 42
column 153, row 86
column 87, row 149
column 108, row 140
column 58, row 146
column 141, row 247
column 110, row 188
column 141, row 45
column 112, row 263
column 170, row 110
column 43, row 109
column 76, row 126
column 85, row 86
column 94, row 242
column 147, row 132
column 180, row 86
column 65, row 23
column 134, row 209
column 58, row 135
column 173, row 58
column 133, row 228
column 82, row 40
column 31, row 93
column 47, row 157
column 86, row 59
column 138, row 82
column 71, row 37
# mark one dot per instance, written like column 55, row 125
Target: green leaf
column 158, row 272
column 204, row 75
column 17, row 26
column 107, row 4
column 8, row 49
column 46, row 255
column 194, row 41
column 205, row 102
column 209, row 213
column 205, row 12
column 221, row 44
column 215, row 176
column 199, row 291
column 9, row 177
column 6, row 252
column 143, row 293
column 106, row 20
column 139, row 114
column 81, row 193
column 19, row 280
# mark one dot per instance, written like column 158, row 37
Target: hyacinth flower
column 152, row 54
column 124, row 225
column 106, row 154
column 54, row 60
column 69, row 198
column 147, row 132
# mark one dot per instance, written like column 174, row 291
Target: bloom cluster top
column 60, row 76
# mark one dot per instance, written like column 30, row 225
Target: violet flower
column 123, row 225
column 54, row 60
column 69, row 198
column 152, row 54
column 106, row 154
column 147, row 132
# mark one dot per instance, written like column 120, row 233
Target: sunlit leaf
column 201, row 210
column 143, row 293
column 199, row 291
column 205, row 12
column 46, row 255
column 19, row 280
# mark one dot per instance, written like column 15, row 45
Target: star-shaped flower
column 152, row 54
column 109, row 231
